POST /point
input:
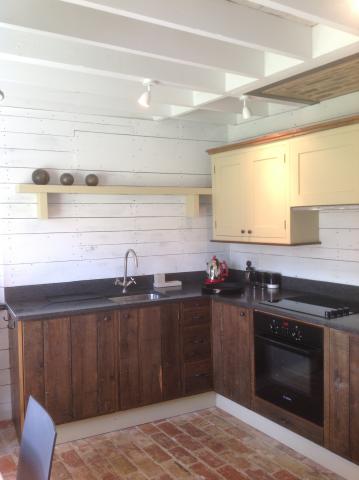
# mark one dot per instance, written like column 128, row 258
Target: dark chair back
column 37, row 444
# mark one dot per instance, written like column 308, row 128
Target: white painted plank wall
column 337, row 258
column 87, row 235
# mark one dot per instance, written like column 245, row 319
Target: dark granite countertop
column 64, row 305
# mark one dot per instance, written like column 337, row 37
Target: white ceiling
column 92, row 55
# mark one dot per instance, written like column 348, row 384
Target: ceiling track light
column 246, row 112
column 145, row 99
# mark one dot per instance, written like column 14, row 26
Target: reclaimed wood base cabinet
column 231, row 327
column 343, row 422
column 82, row 366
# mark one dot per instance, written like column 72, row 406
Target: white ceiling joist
column 76, row 82
column 215, row 19
column 50, row 99
column 31, row 45
column 340, row 14
column 126, row 34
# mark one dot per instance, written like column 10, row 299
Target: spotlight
column 145, row 99
column 246, row 113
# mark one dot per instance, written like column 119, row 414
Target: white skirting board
column 318, row 454
column 136, row 416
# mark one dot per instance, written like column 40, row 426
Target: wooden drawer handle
column 197, row 375
column 200, row 340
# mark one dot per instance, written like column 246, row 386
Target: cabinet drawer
column 196, row 343
column 196, row 317
column 198, row 377
column 195, row 304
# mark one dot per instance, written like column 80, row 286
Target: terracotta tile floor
column 209, row 444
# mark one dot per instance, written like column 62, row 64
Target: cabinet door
column 140, row 368
column 33, row 361
column 344, row 394
column 171, row 351
column 149, row 340
column 230, row 180
column 268, row 196
column 325, row 168
column 339, row 440
column 354, row 398
column 93, row 364
column 57, row 362
column 231, row 352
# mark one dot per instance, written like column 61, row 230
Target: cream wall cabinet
column 230, row 194
column 251, row 198
column 325, row 167
column 268, row 194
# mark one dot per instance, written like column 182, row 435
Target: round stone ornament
column 66, row 179
column 91, row 180
column 40, row 177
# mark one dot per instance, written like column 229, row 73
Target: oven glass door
column 290, row 376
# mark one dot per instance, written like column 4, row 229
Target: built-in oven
column 289, row 365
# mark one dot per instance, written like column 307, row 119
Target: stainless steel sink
column 141, row 297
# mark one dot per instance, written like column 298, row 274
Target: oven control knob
column 274, row 327
column 297, row 334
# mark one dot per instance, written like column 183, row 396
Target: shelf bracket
column 192, row 205
column 42, row 206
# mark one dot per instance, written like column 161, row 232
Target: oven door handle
column 302, row 350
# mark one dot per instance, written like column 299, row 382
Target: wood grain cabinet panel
column 196, row 346
column 140, row 358
column 47, row 366
column 93, row 364
column 171, row 351
column 33, row 361
column 344, row 394
column 57, row 369
column 232, row 352
column 87, row 365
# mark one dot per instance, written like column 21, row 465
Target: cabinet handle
column 196, row 317
column 249, row 231
column 196, row 342
column 160, row 379
column 197, row 375
column 243, row 231
column 242, row 314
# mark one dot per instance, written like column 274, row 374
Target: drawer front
column 197, row 343
column 196, row 317
column 196, row 303
column 198, row 377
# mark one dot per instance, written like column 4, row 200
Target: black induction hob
column 316, row 305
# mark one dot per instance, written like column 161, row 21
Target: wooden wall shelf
column 191, row 193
